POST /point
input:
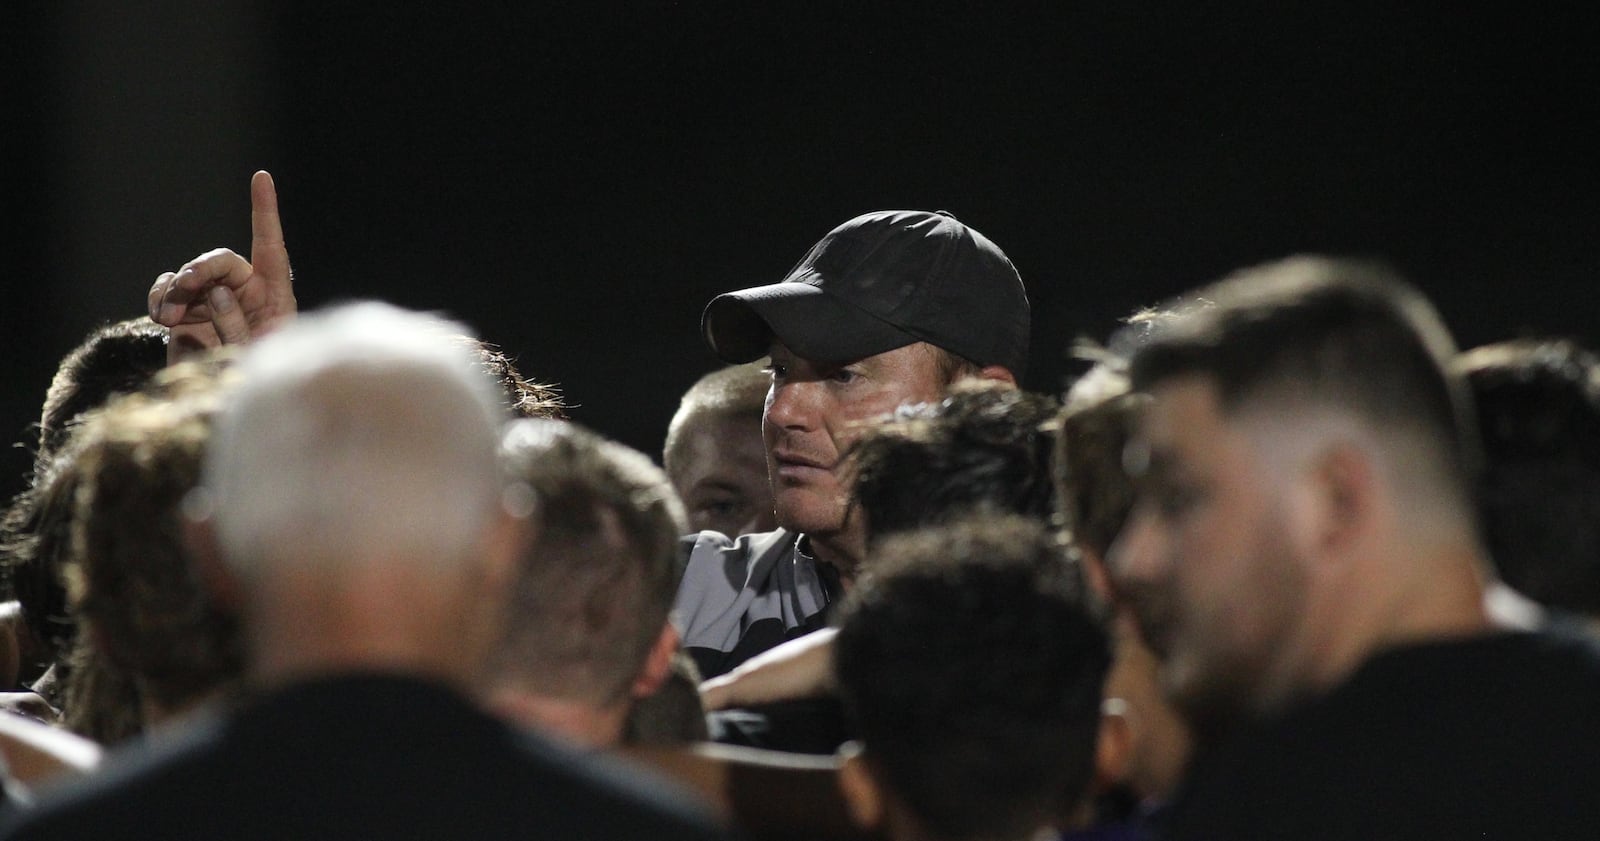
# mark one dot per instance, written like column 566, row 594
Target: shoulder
column 612, row 798
column 1479, row 733
column 715, row 565
column 137, row 789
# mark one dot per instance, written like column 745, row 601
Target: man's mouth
column 798, row 466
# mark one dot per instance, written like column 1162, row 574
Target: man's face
column 723, row 478
column 1206, row 561
column 816, row 411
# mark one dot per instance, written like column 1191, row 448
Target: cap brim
column 740, row 326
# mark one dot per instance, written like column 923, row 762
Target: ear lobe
column 1346, row 482
column 861, row 793
column 657, row 664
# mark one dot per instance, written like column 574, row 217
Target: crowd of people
column 1283, row 563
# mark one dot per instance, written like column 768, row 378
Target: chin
column 812, row 518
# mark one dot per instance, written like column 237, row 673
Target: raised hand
column 221, row 298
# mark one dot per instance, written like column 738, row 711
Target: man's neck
column 582, row 724
column 1439, row 594
column 306, row 627
column 842, row 551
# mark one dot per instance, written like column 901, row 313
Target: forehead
column 1182, row 423
column 713, row 437
column 914, row 359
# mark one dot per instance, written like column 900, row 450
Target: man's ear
column 1345, row 481
column 219, row 581
column 999, row 373
column 658, row 663
column 862, row 796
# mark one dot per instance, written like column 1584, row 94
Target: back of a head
column 593, row 588
column 673, row 714
column 115, row 359
column 1310, row 334
column 983, row 726
column 714, row 452
column 358, row 435
column 734, row 390
column 1538, row 404
column 986, row 447
column 134, row 582
column 1094, row 490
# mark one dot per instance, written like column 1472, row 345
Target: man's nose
column 792, row 405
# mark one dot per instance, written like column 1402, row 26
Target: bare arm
column 766, row 795
column 801, row 668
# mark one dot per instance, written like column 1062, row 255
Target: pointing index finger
column 268, row 253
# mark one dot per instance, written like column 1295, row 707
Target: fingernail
column 221, row 301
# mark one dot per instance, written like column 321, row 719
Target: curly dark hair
column 1538, row 404
column 970, row 661
column 987, row 446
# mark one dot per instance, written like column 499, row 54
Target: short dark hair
column 986, row 446
column 117, row 358
column 1095, row 491
column 1538, row 404
column 971, row 662
column 1330, row 332
column 113, row 359
column 594, row 586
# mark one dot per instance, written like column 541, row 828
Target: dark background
column 577, row 180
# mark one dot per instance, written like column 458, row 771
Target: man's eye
column 843, row 375
column 720, row 507
column 776, row 371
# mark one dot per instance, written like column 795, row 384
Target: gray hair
column 361, row 433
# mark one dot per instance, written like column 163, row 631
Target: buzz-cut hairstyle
column 734, row 391
column 986, row 447
column 593, row 589
column 362, row 434
column 1538, row 404
column 1343, row 335
column 971, row 661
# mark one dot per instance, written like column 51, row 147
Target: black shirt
column 1492, row 737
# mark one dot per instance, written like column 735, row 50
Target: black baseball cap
column 878, row 282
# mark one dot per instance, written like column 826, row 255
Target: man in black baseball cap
column 887, row 309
